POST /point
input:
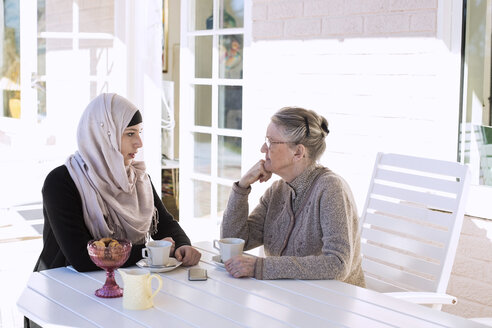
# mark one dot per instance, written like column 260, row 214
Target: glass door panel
column 231, row 56
column 201, row 192
column 10, row 78
column 202, row 14
column 223, row 193
column 476, row 117
column 230, row 107
column 59, row 15
column 202, row 153
column 203, row 57
column 203, row 105
column 229, row 158
column 231, row 13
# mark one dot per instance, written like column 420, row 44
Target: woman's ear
column 300, row 152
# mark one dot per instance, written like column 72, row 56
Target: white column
column 143, row 42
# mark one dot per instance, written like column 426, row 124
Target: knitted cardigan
column 319, row 240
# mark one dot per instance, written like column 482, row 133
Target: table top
column 66, row 297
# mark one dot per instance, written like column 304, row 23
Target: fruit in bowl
column 109, row 254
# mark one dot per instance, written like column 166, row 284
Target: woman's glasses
column 269, row 143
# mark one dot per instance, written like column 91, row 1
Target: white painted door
column 211, row 110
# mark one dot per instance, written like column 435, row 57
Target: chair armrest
column 425, row 297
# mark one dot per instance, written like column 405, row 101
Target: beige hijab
column 117, row 201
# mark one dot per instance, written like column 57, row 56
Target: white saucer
column 217, row 261
column 172, row 264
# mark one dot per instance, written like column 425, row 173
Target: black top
column 65, row 234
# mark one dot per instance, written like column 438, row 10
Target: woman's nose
column 139, row 142
column 264, row 148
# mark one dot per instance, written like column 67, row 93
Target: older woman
column 307, row 221
column 101, row 191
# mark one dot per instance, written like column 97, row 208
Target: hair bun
column 324, row 127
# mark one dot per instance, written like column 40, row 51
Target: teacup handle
column 145, row 253
column 150, row 284
column 215, row 244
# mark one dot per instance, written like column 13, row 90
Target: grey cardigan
column 319, row 241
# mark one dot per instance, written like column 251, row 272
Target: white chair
column 411, row 224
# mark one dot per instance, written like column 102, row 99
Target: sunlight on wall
column 378, row 94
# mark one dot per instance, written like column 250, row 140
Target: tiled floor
column 20, row 244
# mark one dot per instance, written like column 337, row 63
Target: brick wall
column 287, row 19
column 385, row 82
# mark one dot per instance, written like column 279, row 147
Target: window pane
column 222, row 198
column 58, row 15
column 203, row 57
column 484, row 141
column 203, row 105
column 475, row 125
column 232, row 13
column 230, row 107
column 229, row 158
column 100, row 56
column 231, row 56
column 41, row 56
column 201, row 199
column 41, row 16
column 203, row 15
column 41, row 99
column 96, row 16
column 10, row 79
column 202, row 152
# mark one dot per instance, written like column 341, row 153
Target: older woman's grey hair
column 303, row 126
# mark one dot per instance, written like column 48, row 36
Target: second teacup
column 157, row 252
column 229, row 247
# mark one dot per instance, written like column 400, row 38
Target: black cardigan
column 65, row 234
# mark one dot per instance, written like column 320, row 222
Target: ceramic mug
column 157, row 252
column 137, row 294
column 229, row 247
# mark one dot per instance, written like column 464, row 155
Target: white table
column 66, row 297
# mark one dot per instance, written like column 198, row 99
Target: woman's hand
column 241, row 266
column 171, row 252
column 255, row 173
column 188, row 255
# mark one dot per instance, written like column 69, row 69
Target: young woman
column 307, row 221
column 101, row 191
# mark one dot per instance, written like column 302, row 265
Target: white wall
column 378, row 94
column 376, row 71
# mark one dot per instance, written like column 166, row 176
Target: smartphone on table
column 195, row 274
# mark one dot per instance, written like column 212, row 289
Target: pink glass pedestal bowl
column 109, row 259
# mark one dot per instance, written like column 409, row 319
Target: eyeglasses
column 269, row 143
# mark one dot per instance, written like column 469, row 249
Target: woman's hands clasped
column 256, row 173
column 241, row 266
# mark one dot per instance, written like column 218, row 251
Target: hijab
column 117, row 201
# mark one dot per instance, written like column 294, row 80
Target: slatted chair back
column 411, row 223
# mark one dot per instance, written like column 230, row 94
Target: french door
column 211, row 111
column 56, row 56
column 476, row 120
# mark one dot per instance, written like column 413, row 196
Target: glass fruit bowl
column 109, row 254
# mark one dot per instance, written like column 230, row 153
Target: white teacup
column 157, row 252
column 229, row 247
